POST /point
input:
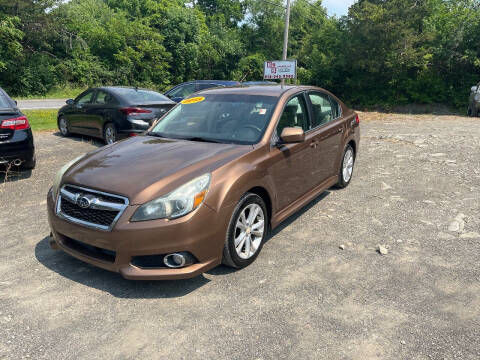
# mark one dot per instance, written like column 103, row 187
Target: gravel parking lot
column 415, row 190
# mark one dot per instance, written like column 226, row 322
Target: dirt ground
column 416, row 190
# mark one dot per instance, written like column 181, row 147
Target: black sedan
column 112, row 113
column 16, row 139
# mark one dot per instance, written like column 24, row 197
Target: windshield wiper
column 151, row 133
column 201, row 139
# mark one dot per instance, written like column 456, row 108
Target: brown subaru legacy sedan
column 206, row 183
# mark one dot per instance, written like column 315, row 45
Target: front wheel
column 246, row 232
column 63, row 126
column 110, row 134
column 346, row 170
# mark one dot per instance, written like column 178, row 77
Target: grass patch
column 42, row 119
column 66, row 92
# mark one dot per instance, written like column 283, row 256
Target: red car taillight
column 357, row 119
column 18, row 123
column 131, row 110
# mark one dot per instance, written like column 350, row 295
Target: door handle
column 314, row 144
column 340, row 130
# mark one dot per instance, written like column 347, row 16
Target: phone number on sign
column 279, row 76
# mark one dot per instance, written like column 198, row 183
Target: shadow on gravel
column 91, row 276
column 82, row 138
column 225, row 270
column 299, row 213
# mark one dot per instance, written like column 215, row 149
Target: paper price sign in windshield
column 282, row 69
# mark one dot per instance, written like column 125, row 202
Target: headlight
column 177, row 203
column 59, row 176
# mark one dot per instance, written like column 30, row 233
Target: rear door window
column 322, row 111
column 103, row 98
column 183, row 91
column 207, row 86
column 336, row 109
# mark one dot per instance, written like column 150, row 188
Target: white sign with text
column 280, row 69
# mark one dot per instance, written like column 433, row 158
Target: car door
column 291, row 168
column 76, row 116
column 327, row 130
column 100, row 109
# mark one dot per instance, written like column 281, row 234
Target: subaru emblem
column 84, row 201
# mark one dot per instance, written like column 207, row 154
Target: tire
column 30, row 164
column 344, row 178
column 63, row 126
column 244, row 256
column 110, row 133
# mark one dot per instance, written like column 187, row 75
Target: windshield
column 140, row 96
column 226, row 118
column 4, row 102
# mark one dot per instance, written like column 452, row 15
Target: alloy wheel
column 249, row 231
column 347, row 169
column 63, row 126
column 109, row 135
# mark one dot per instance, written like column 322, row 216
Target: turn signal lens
column 199, row 198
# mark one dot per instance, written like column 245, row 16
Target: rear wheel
column 246, row 232
column 109, row 133
column 346, row 170
column 63, row 126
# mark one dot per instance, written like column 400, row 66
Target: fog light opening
column 178, row 260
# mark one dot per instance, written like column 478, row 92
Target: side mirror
column 70, row 102
column 292, row 135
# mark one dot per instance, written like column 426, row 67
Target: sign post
column 280, row 69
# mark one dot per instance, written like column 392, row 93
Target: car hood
column 144, row 168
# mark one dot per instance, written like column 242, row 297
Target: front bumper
column 200, row 233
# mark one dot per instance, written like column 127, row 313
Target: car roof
column 123, row 87
column 219, row 82
column 266, row 90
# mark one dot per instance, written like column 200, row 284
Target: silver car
column 474, row 101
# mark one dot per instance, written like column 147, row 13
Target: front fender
column 229, row 186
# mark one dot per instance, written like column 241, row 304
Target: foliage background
column 384, row 52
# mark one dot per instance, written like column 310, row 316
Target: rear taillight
column 18, row 123
column 132, row 110
column 357, row 119
column 132, row 134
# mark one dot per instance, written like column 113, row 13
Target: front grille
column 102, row 196
column 99, row 210
column 101, row 217
column 89, row 250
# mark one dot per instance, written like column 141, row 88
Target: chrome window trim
column 98, row 204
